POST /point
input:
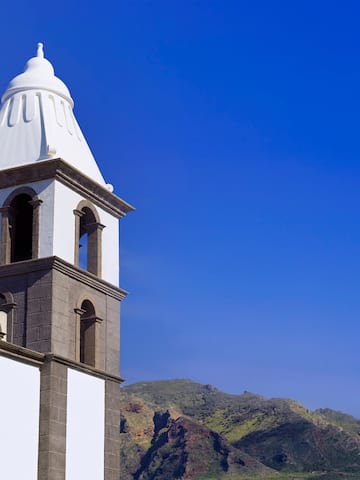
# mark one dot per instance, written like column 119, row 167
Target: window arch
column 3, row 319
column 20, row 226
column 6, row 305
column 87, row 328
column 88, row 230
column 87, row 334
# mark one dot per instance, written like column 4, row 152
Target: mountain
column 179, row 429
column 185, row 449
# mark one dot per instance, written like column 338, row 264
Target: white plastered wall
column 66, row 200
column 20, row 401
column 85, row 427
column 57, row 226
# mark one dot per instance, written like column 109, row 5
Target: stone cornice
column 25, row 355
column 59, row 170
column 88, row 278
column 20, row 353
column 56, row 263
column 82, row 367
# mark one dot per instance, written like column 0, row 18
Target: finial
column 40, row 51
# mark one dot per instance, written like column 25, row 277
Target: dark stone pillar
column 112, row 430
column 52, row 435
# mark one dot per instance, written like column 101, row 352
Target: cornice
column 22, row 354
column 65, row 173
column 82, row 367
column 88, row 278
column 58, row 264
column 31, row 357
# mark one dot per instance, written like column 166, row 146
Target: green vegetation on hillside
column 177, row 430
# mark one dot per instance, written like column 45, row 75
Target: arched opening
column 87, row 245
column 21, row 228
column 87, row 333
column 3, row 318
column 88, row 238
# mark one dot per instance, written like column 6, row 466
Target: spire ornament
column 40, row 50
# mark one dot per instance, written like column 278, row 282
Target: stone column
column 5, row 235
column 79, row 313
column 112, row 430
column 78, row 214
column 52, row 434
column 35, row 227
column 94, row 231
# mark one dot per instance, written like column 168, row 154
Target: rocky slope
column 183, row 430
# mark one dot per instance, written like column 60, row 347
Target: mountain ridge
column 277, row 436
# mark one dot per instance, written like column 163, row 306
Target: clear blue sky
column 233, row 127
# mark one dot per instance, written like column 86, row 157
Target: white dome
column 37, row 121
column 38, row 74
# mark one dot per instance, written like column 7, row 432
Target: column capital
column 78, row 213
column 36, row 202
column 6, row 209
column 96, row 226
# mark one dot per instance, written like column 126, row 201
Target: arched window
column 88, row 238
column 87, row 328
column 6, row 317
column 20, row 226
column 87, row 333
column 3, row 318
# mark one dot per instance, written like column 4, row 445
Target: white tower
column 59, row 292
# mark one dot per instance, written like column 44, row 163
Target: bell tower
column 59, row 291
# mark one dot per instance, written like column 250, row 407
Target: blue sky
column 233, row 127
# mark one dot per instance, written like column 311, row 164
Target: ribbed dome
column 37, row 121
column 38, row 74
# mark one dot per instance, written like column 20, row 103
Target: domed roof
column 37, row 121
column 38, row 74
